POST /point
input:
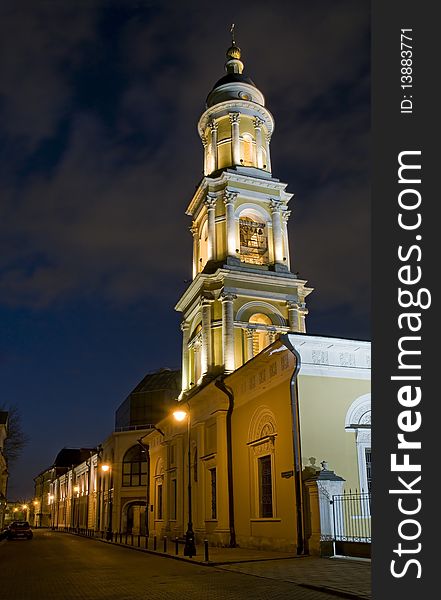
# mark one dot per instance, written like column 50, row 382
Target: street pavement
column 58, row 566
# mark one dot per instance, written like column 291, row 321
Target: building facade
column 262, row 403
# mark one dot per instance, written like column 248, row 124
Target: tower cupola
column 236, row 128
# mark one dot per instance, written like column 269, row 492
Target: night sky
column 100, row 155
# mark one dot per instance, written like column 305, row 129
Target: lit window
column 247, row 151
column 253, row 241
column 134, row 467
column 261, row 338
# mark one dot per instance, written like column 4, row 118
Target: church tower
column 243, row 293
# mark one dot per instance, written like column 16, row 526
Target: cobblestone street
column 56, row 566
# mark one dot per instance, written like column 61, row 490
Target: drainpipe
column 297, row 448
column 219, row 383
column 147, row 490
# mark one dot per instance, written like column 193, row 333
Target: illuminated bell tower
column 243, row 293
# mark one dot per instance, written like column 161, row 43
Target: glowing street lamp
column 189, row 547
column 106, row 468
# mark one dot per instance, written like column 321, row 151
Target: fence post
column 155, row 541
column 176, row 545
column 165, row 543
column 206, row 550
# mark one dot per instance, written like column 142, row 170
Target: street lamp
column 76, row 511
column 106, row 468
column 189, row 547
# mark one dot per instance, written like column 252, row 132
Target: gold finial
column 233, row 51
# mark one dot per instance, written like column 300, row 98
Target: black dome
column 234, row 78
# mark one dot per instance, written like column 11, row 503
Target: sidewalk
column 342, row 577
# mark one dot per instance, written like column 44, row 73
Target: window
column 265, row 488
column 159, row 501
column 253, row 241
column 261, row 338
column 135, row 467
column 213, row 493
column 195, row 465
column 173, row 499
column 247, row 151
column 367, row 457
column 203, row 246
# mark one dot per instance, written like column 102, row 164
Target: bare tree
column 17, row 438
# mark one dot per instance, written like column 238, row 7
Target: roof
column 234, row 78
column 164, row 379
column 72, row 456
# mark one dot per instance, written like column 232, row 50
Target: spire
column 233, row 64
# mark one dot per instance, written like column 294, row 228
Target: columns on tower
column 297, row 312
column 272, row 334
column 194, row 230
column 267, row 148
column 206, row 345
column 235, row 140
column 303, row 311
column 229, row 199
column 285, row 217
column 249, row 350
column 213, row 132
column 227, row 299
column 185, row 328
column 258, row 123
column 205, row 145
column 277, row 231
column 210, row 203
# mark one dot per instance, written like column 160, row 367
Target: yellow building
column 274, row 423
column 264, row 404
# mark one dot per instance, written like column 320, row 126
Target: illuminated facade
column 3, row 466
column 263, row 403
column 243, row 293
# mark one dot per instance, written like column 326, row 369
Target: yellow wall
column 324, row 402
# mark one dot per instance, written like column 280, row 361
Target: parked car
column 19, row 529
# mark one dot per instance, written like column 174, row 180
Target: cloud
column 96, row 188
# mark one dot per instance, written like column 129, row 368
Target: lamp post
column 106, row 468
column 189, row 547
column 76, row 511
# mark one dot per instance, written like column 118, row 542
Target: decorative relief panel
column 320, row 357
column 347, row 359
column 284, row 361
column 273, row 369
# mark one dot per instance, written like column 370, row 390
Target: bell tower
column 243, row 293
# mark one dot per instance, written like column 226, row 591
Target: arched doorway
column 133, row 518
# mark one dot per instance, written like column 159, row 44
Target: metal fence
column 352, row 517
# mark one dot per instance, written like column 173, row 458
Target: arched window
column 261, row 337
column 247, row 150
column 203, row 246
column 134, row 467
column 358, row 419
column 253, row 240
column 262, row 435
